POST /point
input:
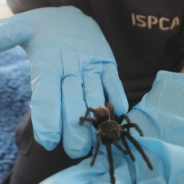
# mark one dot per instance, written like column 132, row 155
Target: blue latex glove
column 72, row 64
column 160, row 115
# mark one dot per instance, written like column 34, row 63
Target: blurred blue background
column 15, row 93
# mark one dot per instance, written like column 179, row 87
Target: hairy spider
column 110, row 132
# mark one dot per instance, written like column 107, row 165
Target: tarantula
column 110, row 132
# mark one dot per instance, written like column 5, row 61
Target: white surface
column 2, row 1
column 5, row 11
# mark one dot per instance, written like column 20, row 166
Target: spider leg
column 141, row 151
column 127, row 148
column 97, row 148
column 120, row 148
column 110, row 106
column 88, row 111
column 93, row 121
column 110, row 159
column 122, row 117
column 94, row 111
column 135, row 126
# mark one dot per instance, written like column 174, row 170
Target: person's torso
column 145, row 37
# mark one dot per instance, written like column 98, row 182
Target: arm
column 70, row 70
column 18, row 6
column 182, row 71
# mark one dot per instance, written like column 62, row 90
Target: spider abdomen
column 110, row 130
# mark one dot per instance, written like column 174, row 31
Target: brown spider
column 110, row 132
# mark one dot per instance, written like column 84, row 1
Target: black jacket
column 145, row 36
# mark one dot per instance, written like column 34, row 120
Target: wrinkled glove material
column 71, row 67
column 160, row 116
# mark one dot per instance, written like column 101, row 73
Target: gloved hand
column 160, row 116
column 72, row 65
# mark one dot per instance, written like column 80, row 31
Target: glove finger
column 46, row 74
column 76, row 138
column 93, row 91
column 114, row 88
column 14, row 31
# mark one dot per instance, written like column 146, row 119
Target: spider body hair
column 104, row 111
column 110, row 132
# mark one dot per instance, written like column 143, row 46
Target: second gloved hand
column 160, row 116
column 71, row 67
